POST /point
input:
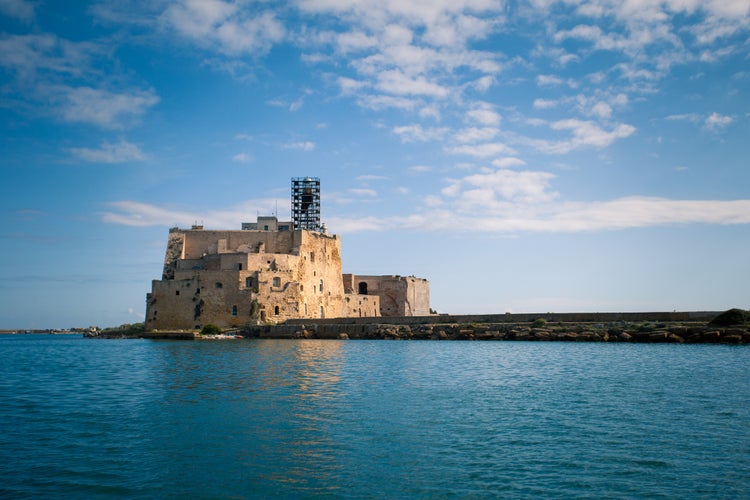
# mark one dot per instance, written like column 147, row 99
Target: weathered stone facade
column 399, row 295
column 266, row 274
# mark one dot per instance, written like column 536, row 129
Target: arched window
column 248, row 282
column 321, row 285
column 362, row 288
column 276, row 310
column 234, row 310
column 277, row 282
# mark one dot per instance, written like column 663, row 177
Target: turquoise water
column 371, row 419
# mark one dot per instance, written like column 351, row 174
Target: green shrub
column 539, row 323
column 210, row 329
column 731, row 317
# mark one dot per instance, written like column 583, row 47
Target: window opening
column 362, row 288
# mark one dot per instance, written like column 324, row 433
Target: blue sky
column 524, row 156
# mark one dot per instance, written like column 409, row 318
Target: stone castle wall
column 399, row 295
column 233, row 278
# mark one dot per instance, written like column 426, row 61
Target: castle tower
column 306, row 203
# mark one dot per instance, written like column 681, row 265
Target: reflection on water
column 301, row 418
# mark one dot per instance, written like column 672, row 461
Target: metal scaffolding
column 306, row 203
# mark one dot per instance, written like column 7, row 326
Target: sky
column 523, row 156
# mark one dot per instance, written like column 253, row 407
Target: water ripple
column 246, row 419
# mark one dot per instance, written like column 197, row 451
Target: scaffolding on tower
column 306, row 203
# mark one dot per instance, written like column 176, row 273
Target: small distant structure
column 270, row 271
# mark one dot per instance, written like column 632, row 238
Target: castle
column 271, row 271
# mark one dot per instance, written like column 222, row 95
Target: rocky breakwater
column 724, row 329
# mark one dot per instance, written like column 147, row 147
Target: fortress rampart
column 268, row 273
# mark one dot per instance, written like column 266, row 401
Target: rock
column 711, row 336
column 625, row 337
column 343, row 336
column 731, row 339
column 660, row 336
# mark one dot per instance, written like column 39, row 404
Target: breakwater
column 675, row 327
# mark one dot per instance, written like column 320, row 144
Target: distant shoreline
column 674, row 327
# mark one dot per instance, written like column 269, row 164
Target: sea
column 233, row 419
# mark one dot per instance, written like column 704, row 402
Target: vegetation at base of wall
column 731, row 317
column 539, row 323
column 127, row 329
column 210, row 329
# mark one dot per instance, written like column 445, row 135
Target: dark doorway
column 362, row 288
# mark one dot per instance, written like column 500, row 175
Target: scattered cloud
column 224, row 26
column 242, row 158
column 119, row 152
column 419, row 169
column 484, row 114
column 473, row 134
column 140, row 214
column 484, row 150
column 715, row 121
column 20, row 9
column 508, row 162
column 371, row 193
column 301, row 145
column 56, row 75
column 585, row 133
column 369, row 177
column 416, row 133
column 101, row 107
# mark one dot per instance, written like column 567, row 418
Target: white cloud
column 547, row 80
column 690, row 117
column 474, row 134
column 381, row 102
column 545, row 103
column 396, row 82
column 508, row 162
column 369, row 177
column 715, row 121
column 350, row 85
column 354, row 41
column 484, row 114
column 482, row 150
column 370, row 193
column 120, row 152
column 521, row 186
column 20, row 9
column 416, row 133
column 47, row 69
column 419, row 169
column 585, row 133
column 242, row 158
column 301, row 145
column 139, row 214
column 101, row 107
column 509, row 204
column 225, row 26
